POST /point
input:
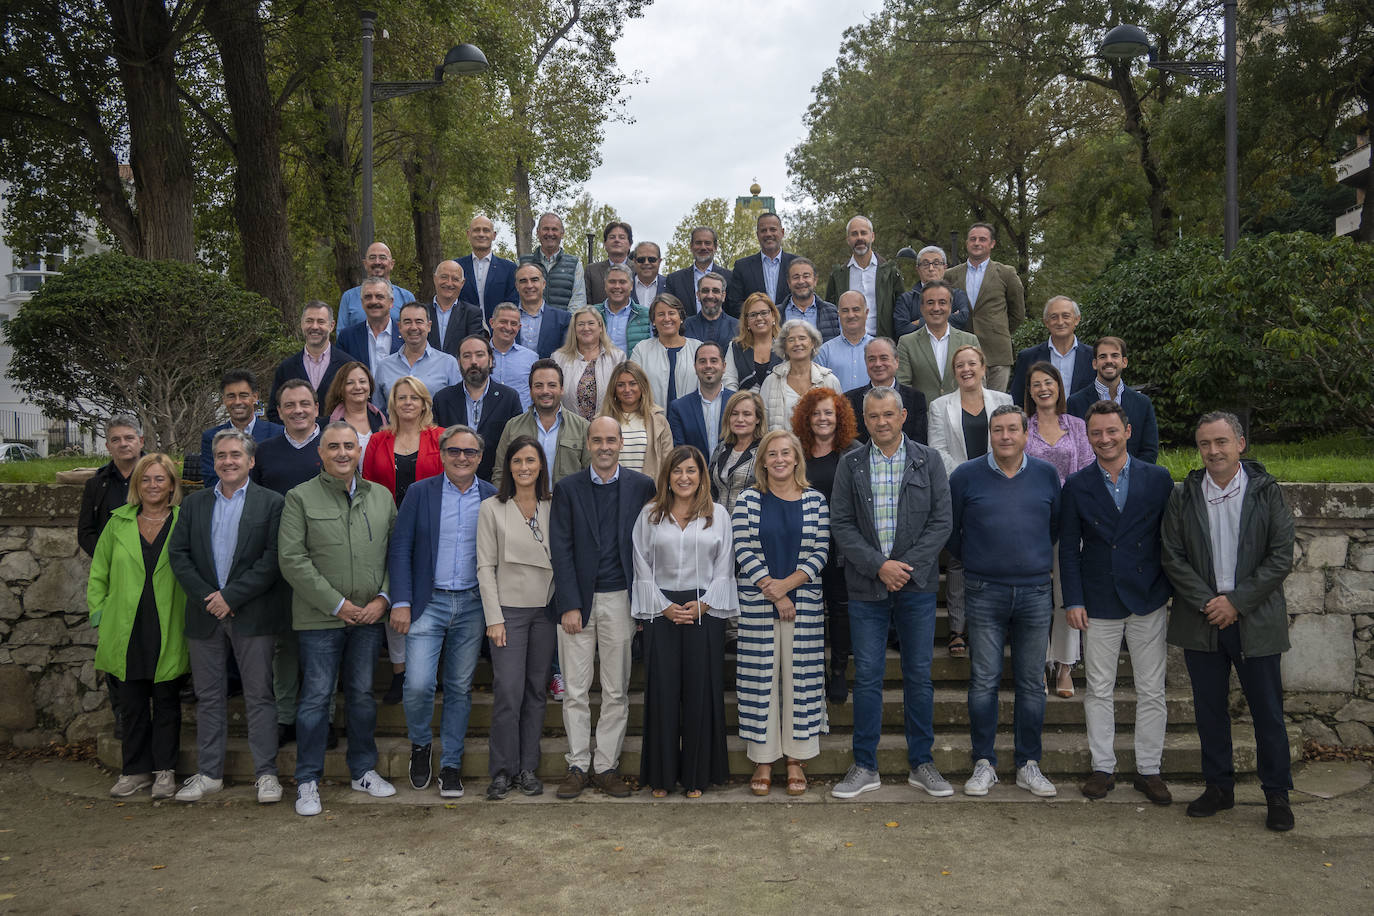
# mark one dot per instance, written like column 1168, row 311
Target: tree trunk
column 145, row 46
column 418, row 168
column 1161, row 214
column 524, row 209
column 331, row 160
column 259, row 191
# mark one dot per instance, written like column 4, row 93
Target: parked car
column 17, row 451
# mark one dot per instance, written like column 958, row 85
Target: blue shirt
column 992, row 463
column 224, row 529
column 512, row 368
column 973, row 281
column 475, row 405
column 846, row 360
column 455, row 567
column 351, row 305
column 1122, row 487
column 1104, row 393
column 1065, row 365
column 809, row 315
column 770, row 274
column 435, row 368
column 617, row 325
column 530, row 326
column 548, row 440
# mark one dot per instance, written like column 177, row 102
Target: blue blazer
column 680, row 284
column 262, row 431
column 357, row 339
column 500, row 285
column 294, row 367
column 575, row 539
column 414, row 547
column 464, row 320
column 499, row 407
column 1109, row 561
column 688, row 424
column 1083, row 372
column 1144, row 441
column 746, row 278
column 553, row 330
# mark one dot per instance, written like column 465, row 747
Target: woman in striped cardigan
column 781, row 530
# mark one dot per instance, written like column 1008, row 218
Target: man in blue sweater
column 1006, row 519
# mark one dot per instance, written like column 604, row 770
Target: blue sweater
column 280, row 466
column 1005, row 528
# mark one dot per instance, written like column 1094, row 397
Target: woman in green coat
column 139, row 611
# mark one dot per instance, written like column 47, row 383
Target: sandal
column 957, row 646
column 763, row 779
column 1064, row 681
column 694, row 793
column 796, row 785
column 660, row 793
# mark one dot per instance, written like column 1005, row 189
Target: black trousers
column 684, row 703
column 152, row 724
column 836, row 615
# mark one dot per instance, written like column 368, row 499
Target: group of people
column 765, row 466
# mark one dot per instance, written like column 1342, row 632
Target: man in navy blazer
column 435, row 603
column 375, row 338
column 765, row 272
column 1109, row 360
column 450, row 318
column 543, row 328
column 591, row 521
column 683, row 283
column 317, row 322
column 1115, row 588
column 491, row 280
column 495, row 404
column 1074, row 360
column 238, row 389
column 648, row 283
column 695, row 418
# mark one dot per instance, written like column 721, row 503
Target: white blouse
column 668, row 557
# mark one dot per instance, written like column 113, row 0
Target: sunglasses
column 646, row 260
column 469, row 453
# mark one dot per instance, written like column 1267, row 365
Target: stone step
column 1065, row 754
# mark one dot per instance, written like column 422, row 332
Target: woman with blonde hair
column 138, row 610
column 751, row 354
column 587, row 359
column 732, row 463
column 645, row 435
column 797, row 374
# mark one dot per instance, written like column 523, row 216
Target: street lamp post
column 1127, row 41
column 460, row 60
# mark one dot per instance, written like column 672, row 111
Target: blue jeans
column 323, row 653
column 450, row 628
column 995, row 612
column 913, row 614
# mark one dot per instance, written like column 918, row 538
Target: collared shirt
column 697, row 274
column 224, row 529
column 617, row 325
column 315, row 366
column 939, row 346
column 548, row 438
column 455, row 563
column 579, row 290
column 1119, row 489
column 475, row 404
column 886, row 475
column 810, row 315
column 512, row 368
column 435, row 368
column 645, row 294
column 770, row 274
column 381, row 346
column 480, row 266
column 351, row 305
column 992, row 463
column 710, row 413
column 1064, row 363
column 314, row 434
column 596, row 478
column 1223, row 525
column 248, row 430
column 865, row 280
column 530, row 326
column 1103, row 394
column 973, row 281
column 846, row 360
column 442, row 315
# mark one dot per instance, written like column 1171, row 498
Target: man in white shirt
column 924, row 356
column 648, row 281
column 567, row 282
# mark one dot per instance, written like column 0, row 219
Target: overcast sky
column 726, row 85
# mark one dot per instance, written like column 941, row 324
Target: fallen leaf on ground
column 156, row 867
column 847, row 845
column 620, row 849
column 890, row 824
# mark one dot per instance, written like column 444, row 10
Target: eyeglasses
column 469, row 453
column 752, row 315
column 646, row 260
column 930, row 263
column 534, row 529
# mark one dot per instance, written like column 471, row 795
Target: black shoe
column 450, row 783
column 421, row 766
column 1280, row 816
column 529, row 783
column 837, row 690
column 637, row 646
column 286, row 733
column 1212, row 800
column 499, row 788
column 396, row 692
column 331, row 740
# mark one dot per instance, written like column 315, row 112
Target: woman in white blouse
column 684, row 590
column 796, row 374
column 587, row 358
column 645, row 435
column 668, row 359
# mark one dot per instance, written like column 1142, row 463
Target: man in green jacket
column 333, row 543
column 880, row 281
column 1227, row 547
column 562, row 434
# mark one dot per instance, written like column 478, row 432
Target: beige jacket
column 513, row 566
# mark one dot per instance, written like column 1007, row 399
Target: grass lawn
column 44, row 469
column 1328, row 459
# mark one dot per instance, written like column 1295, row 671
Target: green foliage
column 582, row 216
column 1344, row 458
column 734, row 227
column 114, row 333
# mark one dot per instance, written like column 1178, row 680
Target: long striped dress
column 755, row 666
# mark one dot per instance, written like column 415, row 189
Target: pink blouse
column 1071, row 453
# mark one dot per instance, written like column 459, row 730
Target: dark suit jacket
column 500, row 286
column 575, row 539
column 916, row 425
column 1144, row 441
column 746, row 278
column 356, row 338
column 553, row 330
column 255, row 590
column 501, row 405
column 681, row 284
column 1110, row 561
column 1083, row 372
column 660, row 285
column 906, row 314
column 262, row 431
column 827, row 317
column 687, row 423
column 999, row 311
column 414, row 543
column 294, row 367
column 464, row 319
column 886, row 290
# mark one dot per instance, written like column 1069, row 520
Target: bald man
column 451, row 319
column 878, row 280
column 378, row 262
column 490, row 280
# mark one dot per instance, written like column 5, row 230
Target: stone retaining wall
column 49, row 689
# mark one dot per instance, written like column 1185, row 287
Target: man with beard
column 562, row 434
column 711, row 322
column 1109, row 359
column 316, row 362
column 879, row 281
column 480, row 402
column 687, row 281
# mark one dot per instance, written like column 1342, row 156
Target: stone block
column 16, row 699
column 1321, row 551
column 9, row 543
column 1361, row 555
column 91, row 699
column 1352, row 592
column 57, row 696
column 1305, row 592
column 87, row 676
column 61, row 542
column 70, row 654
column 1311, row 704
column 61, row 588
column 45, row 631
column 1319, row 732
column 84, row 635
column 1175, row 669
column 1355, row 734
column 1356, row 711
column 31, row 656
column 1366, row 666
column 1323, row 654
column 10, row 608
column 90, row 725
column 36, row 738
column 19, row 566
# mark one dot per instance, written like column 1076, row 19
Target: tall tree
column 734, row 232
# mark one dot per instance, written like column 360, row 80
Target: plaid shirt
column 886, row 474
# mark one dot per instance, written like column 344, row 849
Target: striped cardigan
column 756, row 668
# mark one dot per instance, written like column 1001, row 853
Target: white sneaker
column 269, row 789
column 373, row 784
column 308, row 799
column 197, row 787
column 164, row 784
column 1033, row 781
column 984, row 778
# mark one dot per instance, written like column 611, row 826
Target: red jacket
column 379, row 461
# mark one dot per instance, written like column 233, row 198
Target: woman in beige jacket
column 515, row 576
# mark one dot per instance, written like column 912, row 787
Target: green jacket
column 1264, row 556
column 113, row 591
column 569, row 457
column 331, row 548
column 636, row 329
column 886, row 289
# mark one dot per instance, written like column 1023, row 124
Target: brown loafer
column 609, row 781
column 1098, row 784
column 1154, row 789
column 572, row 784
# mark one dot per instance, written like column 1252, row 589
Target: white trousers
column 1144, row 637
column 608, row 631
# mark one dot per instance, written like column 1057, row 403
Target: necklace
column 150, row 518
